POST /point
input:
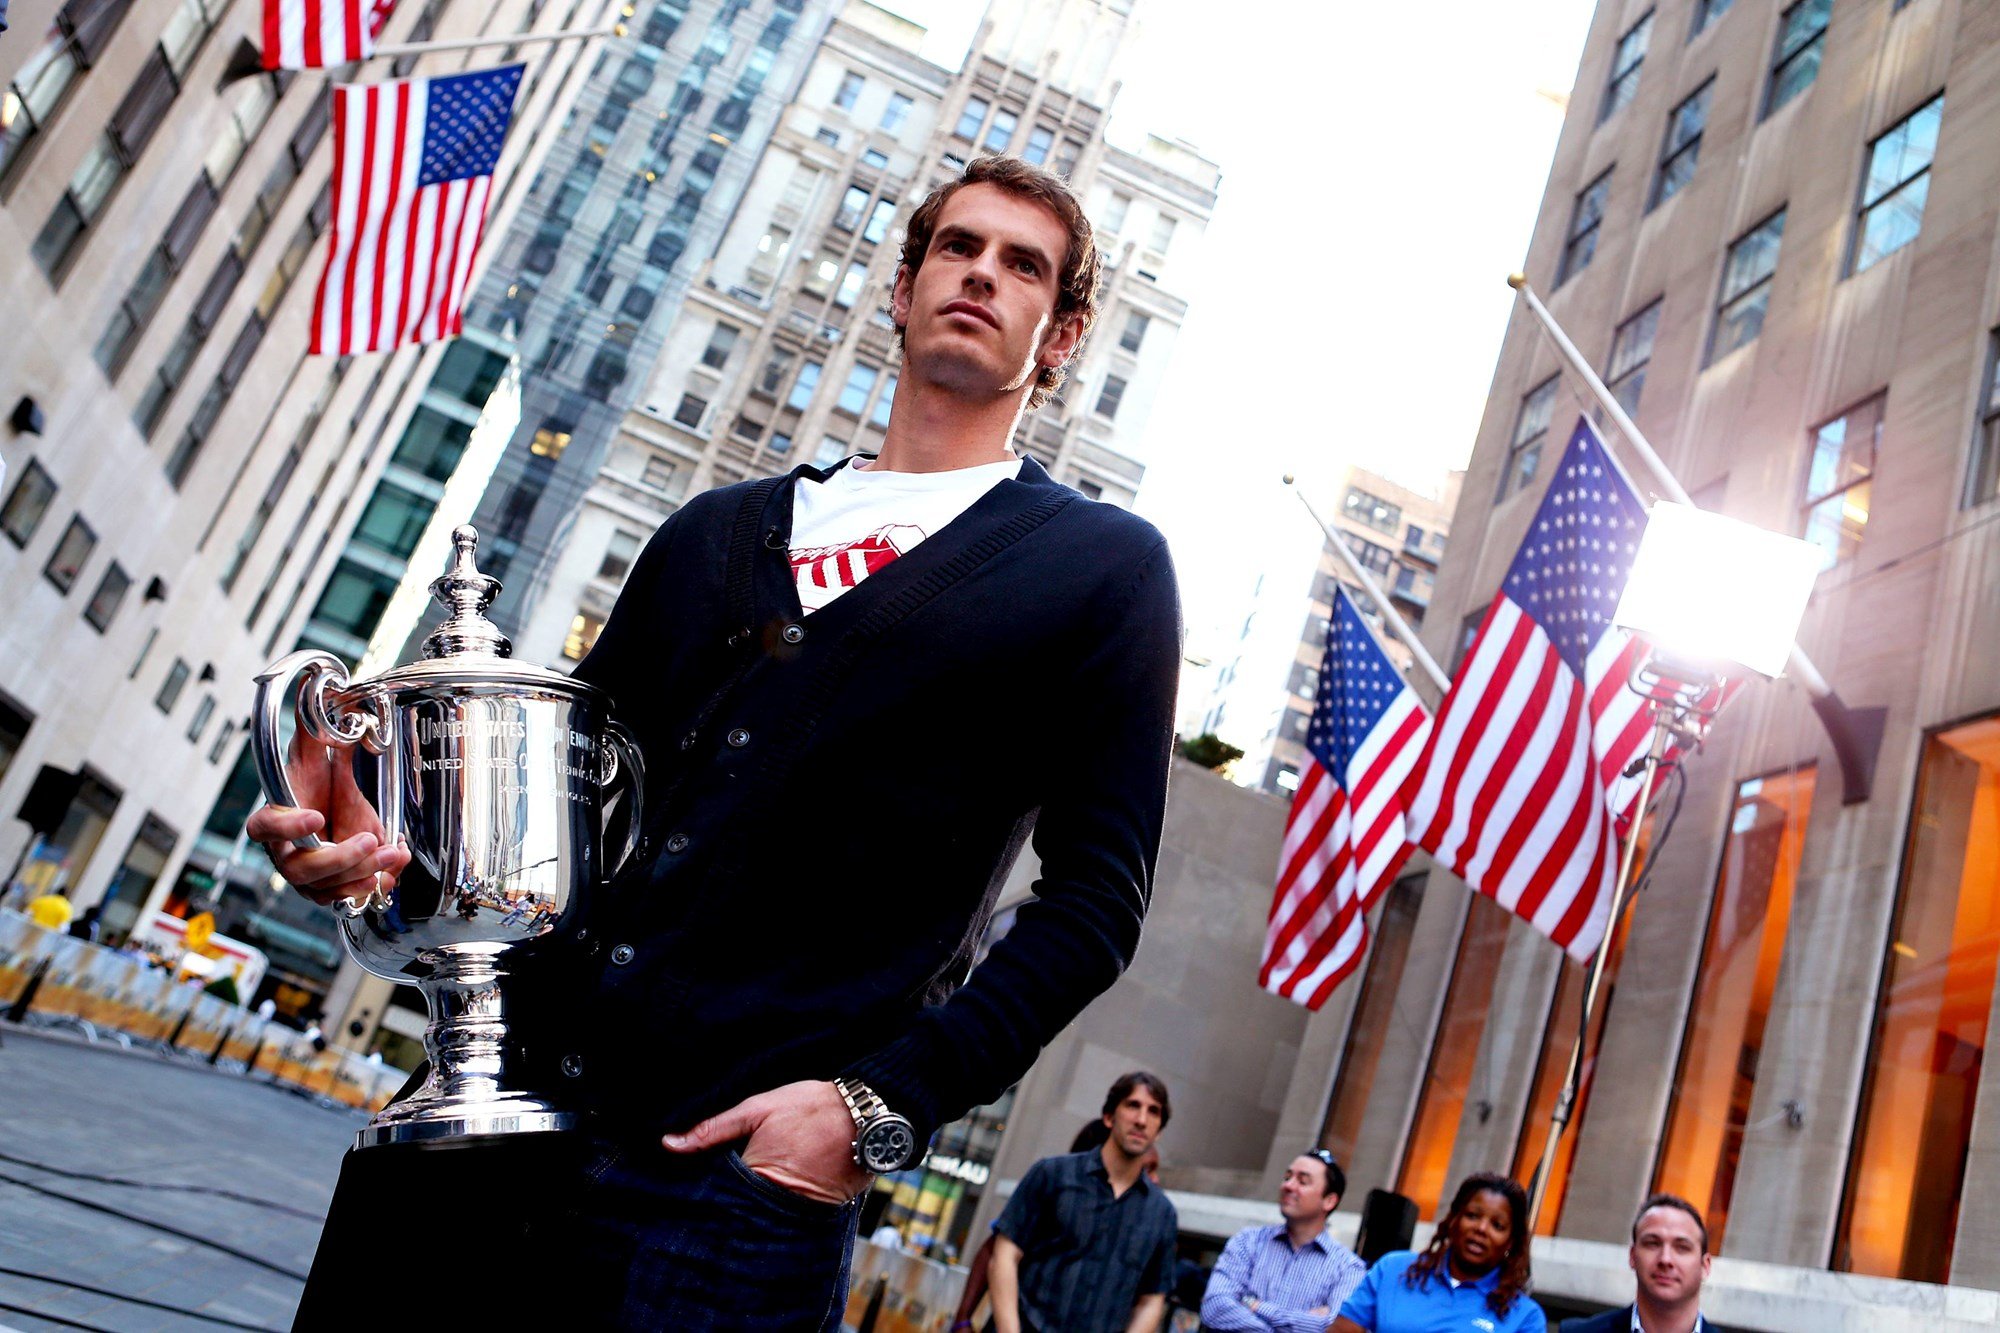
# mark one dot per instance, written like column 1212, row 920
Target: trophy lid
column 467, row 649
column 465, row 593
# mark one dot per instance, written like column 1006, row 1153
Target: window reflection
column 1739, row 970
column 1907, row 1173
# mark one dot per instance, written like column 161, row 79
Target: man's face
column 1668, row 1256
column 1302, row 1194
column 979, row 316
column 1135, row 1122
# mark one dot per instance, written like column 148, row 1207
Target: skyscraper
column 783, row 351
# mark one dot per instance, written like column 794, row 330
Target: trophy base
column 440, row 1124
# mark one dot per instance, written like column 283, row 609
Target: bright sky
column 1381, row 169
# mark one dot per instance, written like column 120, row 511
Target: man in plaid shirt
column 1292, row 1276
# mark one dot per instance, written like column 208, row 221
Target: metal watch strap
column 862, row 1102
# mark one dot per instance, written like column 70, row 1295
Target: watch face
column 888, row 1144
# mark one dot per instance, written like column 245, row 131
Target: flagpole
column 1566, row 1098
column 1390, row 615
column 501, row 39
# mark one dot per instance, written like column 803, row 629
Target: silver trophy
column 497, row 775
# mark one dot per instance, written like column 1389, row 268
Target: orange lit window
column 1558, row 1038
column 1904, row 1181
column 1739, row 970
column 1454, row 1052
column 1374, row 1016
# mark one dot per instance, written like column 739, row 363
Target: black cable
column 52, row 1318
column 135, row 1300
column 213, row 1190
column 176, row 1232
column 1659, row 838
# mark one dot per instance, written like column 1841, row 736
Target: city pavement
column 137, row 1116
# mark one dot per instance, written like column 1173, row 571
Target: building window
column 619, row 553
column 688, row 412
column 747, row 427
column 879, row 219
column 1040, row 140
column 203, row 711
column 1454, row 1050
column 884, row 402
column 1163, row 234
column 1531, row 428
column 1114, row 213
column 1747, row 921
column 1682, row 148
column 831, row 451
column 110, row 595
column 584, row 628
column 1983, row 482
column 1377, row 513
column 657, row 472
column 716, row 354
column 1110, row 396
column 779, row 445
column 850, row 286
column 1913, row 1136
column 1001, row 132
column 1894, row 186
column 1706, row 12
column 894, row 114
column 221, row 745
column 1585, row 218
column 774, row 372
column 1839, row 476
column 970, row 119
column 48, row 75
column 819, row 275
column 875, row 158
column 28, row 503
column 77, row 207
column 67, row 560
column 854, row 394
column 171, row 687
column 1795, row 59
column 1746, row 286
column 1625, row 63
column 850, row 89
column 803, row 386
column 852, row 205
column 1631, row 352
column 1134, row 332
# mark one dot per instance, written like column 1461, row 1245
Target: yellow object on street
column 51, row 911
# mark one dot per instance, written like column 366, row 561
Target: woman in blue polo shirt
column 1473, row 1278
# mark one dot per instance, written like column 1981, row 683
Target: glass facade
column 1906, row 1174
column 1747, row 919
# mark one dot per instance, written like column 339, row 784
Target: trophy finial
column 465, row 593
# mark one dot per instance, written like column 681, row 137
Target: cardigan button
column 678, row 843
column 738, row 738
column 623, row 954
column 793, row 633
column 687, row 741
column 572, row 1066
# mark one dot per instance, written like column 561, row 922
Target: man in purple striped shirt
column 1291, row 1277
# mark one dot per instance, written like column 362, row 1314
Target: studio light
column 1718, row 592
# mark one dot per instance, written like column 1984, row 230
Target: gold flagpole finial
column 1517, row 280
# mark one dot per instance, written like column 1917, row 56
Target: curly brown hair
column 1515, row 1275
column 1077, row 279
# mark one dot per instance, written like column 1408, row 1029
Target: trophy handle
column 319, row 673
column 622, row 758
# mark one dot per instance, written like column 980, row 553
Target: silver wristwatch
column 883, row 1141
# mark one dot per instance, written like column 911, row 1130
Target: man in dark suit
column 1670, row 1258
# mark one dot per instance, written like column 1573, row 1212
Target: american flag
column 1344, row 837
column 412, row 170
column 1522, row 790
column 315, row 34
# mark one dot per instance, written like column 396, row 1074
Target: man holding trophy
column 853, row 692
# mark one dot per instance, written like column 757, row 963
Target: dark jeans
column 517, row 1233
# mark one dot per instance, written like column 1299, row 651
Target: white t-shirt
column 861, row 518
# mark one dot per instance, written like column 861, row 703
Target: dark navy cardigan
column 835, row 800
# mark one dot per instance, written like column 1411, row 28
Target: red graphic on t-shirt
column 823, row 572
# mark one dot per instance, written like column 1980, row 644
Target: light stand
column 1712, row 595
column 1683, row 700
